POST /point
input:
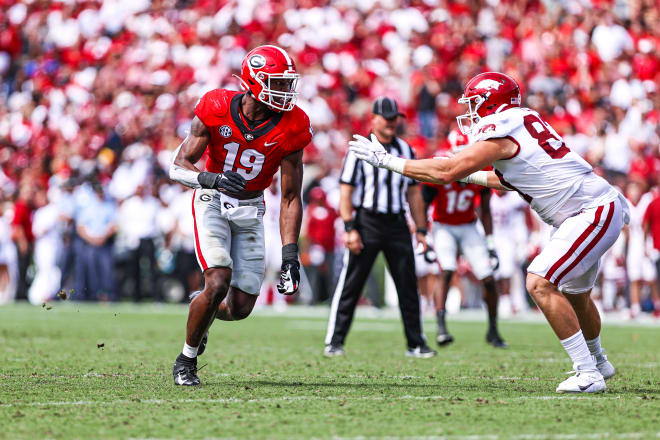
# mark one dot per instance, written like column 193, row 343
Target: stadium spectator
column 319, row 233
column 22, row 235
column 96, row 225
column 48, row 242
column 8, row 258
column 138, row 228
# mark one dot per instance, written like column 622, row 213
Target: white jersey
column 506, row 211
column 637, row 212
column 555, row 181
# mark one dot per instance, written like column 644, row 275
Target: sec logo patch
column 225, row 131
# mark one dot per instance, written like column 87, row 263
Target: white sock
column 189, row 351
column 635, row 309
column 577, row 349
column 595, row 348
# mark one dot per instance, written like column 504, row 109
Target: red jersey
column 652, row 219
column 321, row 226
column 455, row 203
column 254, row 153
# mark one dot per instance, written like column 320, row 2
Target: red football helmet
column 269, row 74
column 487, row 93
column 457, row 140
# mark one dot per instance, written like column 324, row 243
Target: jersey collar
column 250, row 135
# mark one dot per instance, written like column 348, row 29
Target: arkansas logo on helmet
column 485, row 94
column 269, row 74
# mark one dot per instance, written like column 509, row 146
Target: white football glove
column 373, row 152
column 368, row 150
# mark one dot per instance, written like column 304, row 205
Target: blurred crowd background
column 96, row 95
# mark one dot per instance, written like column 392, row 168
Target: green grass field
column 266, row 378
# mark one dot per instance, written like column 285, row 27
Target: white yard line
column 294, row 399
column 595, row 435
column 592, row 436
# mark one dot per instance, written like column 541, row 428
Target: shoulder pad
column 301, row 129
column 497, row 125
column 213, row 106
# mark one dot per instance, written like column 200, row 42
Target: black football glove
column 430, row 256
column 494, row 259
column 492, row 254
column 289, row 278
column 290, row 275
column 228, row 182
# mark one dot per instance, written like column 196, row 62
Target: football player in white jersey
column 529, row 157
column 639, row 266
column 510, row 232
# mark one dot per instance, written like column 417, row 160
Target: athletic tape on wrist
column 479, row 178
column 290, row 252
column 394, row 163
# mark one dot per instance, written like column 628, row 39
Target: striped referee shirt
column 377, row 189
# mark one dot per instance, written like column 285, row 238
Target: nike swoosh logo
column 269, row 144
column 585, row 387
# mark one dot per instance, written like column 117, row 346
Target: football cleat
column 444, row 338
column 205, row 338
column 185, row 373
column 494, row 339
column 605, row 368
column 333, row 351
column 422, row 352
column 583, row 381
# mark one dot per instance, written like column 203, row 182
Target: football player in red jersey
column 454, row 229
column 248, row 136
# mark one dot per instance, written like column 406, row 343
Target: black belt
column 380, row 215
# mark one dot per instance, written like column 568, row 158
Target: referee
column 373, row 205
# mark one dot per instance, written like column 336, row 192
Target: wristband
column 490, row 242
column 423, row 231
column 479, row 178
column 394, row 163
column 349, row 225
column 290, row 252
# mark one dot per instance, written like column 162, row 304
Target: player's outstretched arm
column 472, row 159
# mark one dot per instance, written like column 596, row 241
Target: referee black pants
column 390, row 234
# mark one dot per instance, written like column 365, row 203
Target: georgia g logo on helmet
column 257, row 61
